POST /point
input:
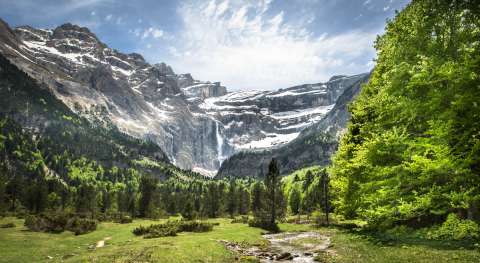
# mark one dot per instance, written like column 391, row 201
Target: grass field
column 20, row 245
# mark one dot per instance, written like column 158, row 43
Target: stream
column 286, row 247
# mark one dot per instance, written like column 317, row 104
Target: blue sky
column 249, row 44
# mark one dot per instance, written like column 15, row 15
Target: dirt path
column 101, row 243
column 286, row 247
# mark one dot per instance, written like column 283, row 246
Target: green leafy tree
column 411, row 150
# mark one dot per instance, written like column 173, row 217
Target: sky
column 244, row 44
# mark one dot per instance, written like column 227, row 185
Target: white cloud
column 92, row 13
column 137, row 32
column 108, row 17
column 152, row 32
column 244, row 45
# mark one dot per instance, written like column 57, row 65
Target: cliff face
column 313, row 146
column 197, row 123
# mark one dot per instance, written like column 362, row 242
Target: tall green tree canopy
column 412, row 148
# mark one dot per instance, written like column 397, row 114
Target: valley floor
column 113, row 242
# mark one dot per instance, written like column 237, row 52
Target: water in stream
column 286, row 247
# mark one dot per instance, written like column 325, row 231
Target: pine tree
column 272, row 185
column 148, row 187
column 232, row 199
column 257, row 198
column 243, row 200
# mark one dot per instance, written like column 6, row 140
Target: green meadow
column 21, row 245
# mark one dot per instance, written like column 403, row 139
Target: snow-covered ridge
column 266, row 119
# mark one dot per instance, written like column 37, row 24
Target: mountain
column 198, row 124
column 313, row 146
column 38, row 129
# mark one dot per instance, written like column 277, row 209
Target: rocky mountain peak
column 164, row 68
column 69, row 30
column 136, row 57
column 337, row 77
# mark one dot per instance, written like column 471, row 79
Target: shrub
column 171, row 228
column 126, row 220
column 455, row 228
column 81, row 226
column 264, row 225
column 140, row 230
column 57, row 223
column 123, row 219
column 161, row 232
column 195, row 226
column 7, row 225
column 32, row 223
column 46, row 223
column 242, row 220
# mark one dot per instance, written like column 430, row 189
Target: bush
column 46, row 223
column 126, row 220
column 195, row 226
column 7, row 225
column 263, row 224
column 81, row 226
column 140, row 230
column 171, row 228
column 57, row 223
column 455, row 228
column 242, row 220
column 123, row 219
column 161, row 232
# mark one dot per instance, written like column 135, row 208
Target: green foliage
column 264, row 224
column 411, row 151
column 81, row 226
column 171, row 228
column 294, row 200
column 305, row 191
column 57, row 223
column 455, row 228
column 241, row 220
column 125, row 220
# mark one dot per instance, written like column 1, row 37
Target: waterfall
column 219, row 143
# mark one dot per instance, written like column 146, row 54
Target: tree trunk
column 272, row 216
column 472, row 212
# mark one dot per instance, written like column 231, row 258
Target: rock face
column 197, row 123
column 313, row 146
